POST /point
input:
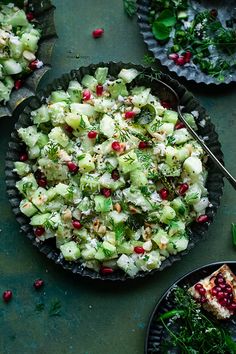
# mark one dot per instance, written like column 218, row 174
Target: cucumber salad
column 108, row 171
column 18, row 45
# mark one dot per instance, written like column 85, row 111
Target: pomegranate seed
column 106, row 270
column 38, row 283
column 42, row 182
column 203, row 299
column 220, row 295
column 142, row 145
column 173, row 56
column 202, row 219
column 72, row 167
column 130, row 114
column 166, row 104
column 179, row 125
column 223, row 301
column 116, row 146
column 18, row 84
column 183, row 188
column 98, row 32
column 68, row 128
column 228, row 289
column 222, row 286
column 187, row 56
column 139, row 250
column 76, row 224
column 218, row 288
column 214, row 13
column 38, row 174
column 232, row 306
column 164, row 193
column 23, row 157
column 30, row 16
column 92, row 134
column 213, row 292
column 7, row 295
column 86, row 95
column 106, row 192
column 115, row 175
column 34, row 64
column 198, row 286
column 202, row 291
column 39, row 231
column 99, row 90
column 180, row 60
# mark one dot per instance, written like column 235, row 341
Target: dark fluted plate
column 43, row 11
column 156, row 332
column 190, row 72
column 214, row 181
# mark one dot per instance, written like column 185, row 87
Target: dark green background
column 96, row 317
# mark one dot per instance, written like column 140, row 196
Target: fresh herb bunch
column 189, row 330
column 203, row 41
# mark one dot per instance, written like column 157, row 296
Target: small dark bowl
column 214, row 180
column 43, row 11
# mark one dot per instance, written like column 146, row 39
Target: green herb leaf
column 39, row 307
column 136, row 221
column 146, row 115
column 167, row 18
column 161, row 32
column 148, row 59
column 119, row 230
column 55, row 308
column 233, row 228
column 130, row 7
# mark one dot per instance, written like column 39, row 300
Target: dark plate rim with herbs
column 214, row 181
column 43, row 12
column 155, row 328
column 160, row 51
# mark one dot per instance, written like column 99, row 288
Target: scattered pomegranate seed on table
column 164, row 193
column 76, row 224
column 116, row 146
column 99, row 90
column 106, row 192
column 38, row 283
column 86, row 95
column 98, row 32
column 7, row 295
column 92, row 134
column 35, row 64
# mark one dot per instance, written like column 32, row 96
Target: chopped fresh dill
column 52, row 149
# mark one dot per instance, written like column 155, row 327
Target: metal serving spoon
column 175, row 103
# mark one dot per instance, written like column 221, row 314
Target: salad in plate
column 18, row 46
column 108, row 171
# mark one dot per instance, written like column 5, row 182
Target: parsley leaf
column 130, row 7
column 39, row 307
column 55, row 308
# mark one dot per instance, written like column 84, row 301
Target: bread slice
column 217, row 292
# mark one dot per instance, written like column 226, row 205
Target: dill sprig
column 52, row 150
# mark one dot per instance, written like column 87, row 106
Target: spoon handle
column 221, row 167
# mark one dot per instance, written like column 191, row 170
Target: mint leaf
column 160, row 31
column 167, row 18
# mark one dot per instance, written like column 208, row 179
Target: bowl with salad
column 195, row 39
column 104, row 178
column 27, row 36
